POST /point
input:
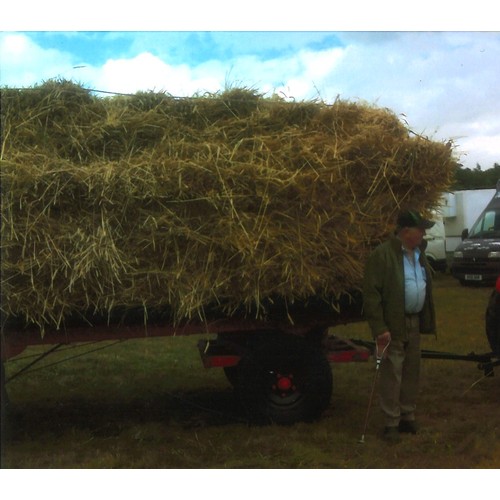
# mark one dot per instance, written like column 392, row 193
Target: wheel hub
column 284, row 382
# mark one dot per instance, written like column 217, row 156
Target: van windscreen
column 487, row 226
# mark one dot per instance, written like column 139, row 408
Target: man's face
column 412, row 237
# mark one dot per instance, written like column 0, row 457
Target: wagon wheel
column 285, row 379
column 4, row 397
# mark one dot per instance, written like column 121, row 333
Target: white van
column 477, row 258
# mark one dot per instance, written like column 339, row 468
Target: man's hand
column 382, row 341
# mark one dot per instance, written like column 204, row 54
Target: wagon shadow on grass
column 191, row 409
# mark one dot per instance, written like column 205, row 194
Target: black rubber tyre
column 492, row 322
column 4, row 398
column 285, row 379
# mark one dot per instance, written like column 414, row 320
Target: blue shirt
column 415, row 282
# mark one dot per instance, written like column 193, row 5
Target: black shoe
column 408, row 426
column 391, row 435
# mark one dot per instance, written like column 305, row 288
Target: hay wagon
column 280, row 371
column 245, row 217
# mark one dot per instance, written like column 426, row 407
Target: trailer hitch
column 486, row 361
column 487, row 368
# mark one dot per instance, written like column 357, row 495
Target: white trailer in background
column 436, row 243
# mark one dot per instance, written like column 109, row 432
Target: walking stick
column 377, row 366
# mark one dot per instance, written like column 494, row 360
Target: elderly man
column 399, row 307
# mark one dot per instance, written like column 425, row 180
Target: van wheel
column 285, row 379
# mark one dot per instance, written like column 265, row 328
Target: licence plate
column 473, row 277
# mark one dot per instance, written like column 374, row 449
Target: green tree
column 466, row 178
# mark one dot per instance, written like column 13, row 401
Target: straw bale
column 221, row 203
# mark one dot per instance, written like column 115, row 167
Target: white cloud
column 23, row 63
column 487, row 145
column 143, row 72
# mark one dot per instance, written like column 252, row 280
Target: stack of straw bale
column 222, row 202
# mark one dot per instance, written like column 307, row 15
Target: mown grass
column 151, row 404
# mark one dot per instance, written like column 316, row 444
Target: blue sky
column 445, row 84
column 180, row 47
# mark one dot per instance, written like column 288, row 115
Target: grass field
column 151, row 404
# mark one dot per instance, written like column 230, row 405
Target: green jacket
column 384, row 294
